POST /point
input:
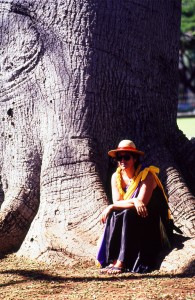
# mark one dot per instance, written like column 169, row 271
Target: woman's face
column 125, row 160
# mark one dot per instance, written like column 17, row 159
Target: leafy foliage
column 187, row 46
column 188, row 16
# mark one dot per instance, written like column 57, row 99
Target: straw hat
column 125, row 145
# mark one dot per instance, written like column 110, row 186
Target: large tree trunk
column 77, row 77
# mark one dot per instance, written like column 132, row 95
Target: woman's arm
column 145, row 193
column 116, row 196
column 140, row 202
column 146, row 188
column 118, row 205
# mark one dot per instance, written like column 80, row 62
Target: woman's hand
column 140, row 207
column 105, row 213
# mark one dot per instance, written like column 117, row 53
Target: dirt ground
column 24, row 279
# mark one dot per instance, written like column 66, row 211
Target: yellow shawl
column 139, row 176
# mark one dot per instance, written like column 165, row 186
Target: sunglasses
column 126, row 157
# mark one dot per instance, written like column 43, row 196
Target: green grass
column 187, row 125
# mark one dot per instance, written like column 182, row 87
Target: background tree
column 76, row 78
column 187, row 46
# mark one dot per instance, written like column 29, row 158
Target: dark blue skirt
column 134, row 240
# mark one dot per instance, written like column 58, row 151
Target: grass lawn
column 187, row 125
column 24, row 279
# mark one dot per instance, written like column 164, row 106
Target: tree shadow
column 37, row 275
column 177, row 243
column 95, row 276
column 178, row 240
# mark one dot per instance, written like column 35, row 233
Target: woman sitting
column 134, row 232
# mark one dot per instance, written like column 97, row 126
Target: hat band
column 126, row 148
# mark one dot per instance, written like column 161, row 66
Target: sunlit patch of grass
column 187, row 125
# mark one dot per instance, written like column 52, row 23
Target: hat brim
column 114, row 152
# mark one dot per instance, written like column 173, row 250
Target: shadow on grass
column 95, row 276
column 37, row 275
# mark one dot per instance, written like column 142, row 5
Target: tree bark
column 77, row 77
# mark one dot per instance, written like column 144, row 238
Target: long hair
column 137, row 157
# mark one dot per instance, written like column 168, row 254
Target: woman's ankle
column 119, row 264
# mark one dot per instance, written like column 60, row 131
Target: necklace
column 119, row 180
column 126, row 179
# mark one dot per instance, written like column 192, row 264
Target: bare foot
column 106, row 269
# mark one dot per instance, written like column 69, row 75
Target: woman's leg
column 129, row 243
column 130, row 238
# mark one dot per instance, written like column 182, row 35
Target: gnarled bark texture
column 76, row 78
